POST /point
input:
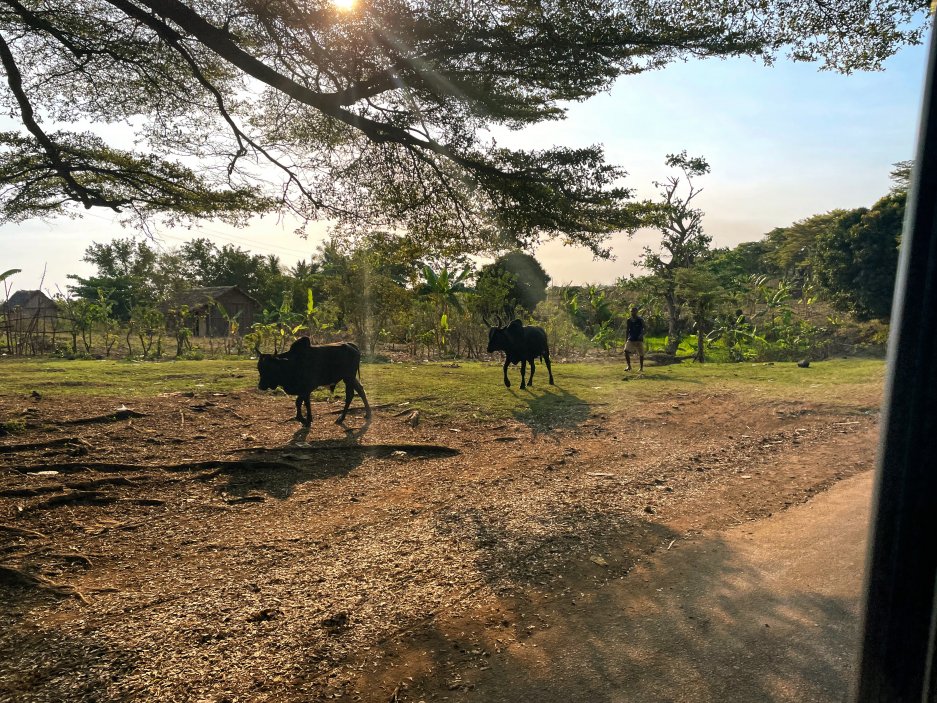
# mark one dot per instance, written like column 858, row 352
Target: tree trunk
column 673, row 323
column 699, row 344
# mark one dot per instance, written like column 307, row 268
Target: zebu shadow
column 276, row 472
column 550, row 407
column 352, row 434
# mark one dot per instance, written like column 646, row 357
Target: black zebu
column 520, row 344
column 306, row 367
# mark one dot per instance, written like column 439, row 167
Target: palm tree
column 303, row 269
column 272, row 262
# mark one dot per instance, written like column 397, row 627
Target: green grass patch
column 123, row 378
column 12, row 427
column 472, row 390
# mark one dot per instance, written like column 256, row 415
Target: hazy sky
column 784, row 142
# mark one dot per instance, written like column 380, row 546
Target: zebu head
column 274, row 370
column 503, row 338
column 268, row 367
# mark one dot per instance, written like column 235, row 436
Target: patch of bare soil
column 202, row 548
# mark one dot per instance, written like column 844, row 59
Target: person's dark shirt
column 635, row 329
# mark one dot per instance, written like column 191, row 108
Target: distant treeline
column 813, row 288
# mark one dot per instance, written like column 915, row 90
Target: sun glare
column 344, row 5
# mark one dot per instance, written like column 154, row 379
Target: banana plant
column 5, row 275
column 442, row 288
column 312, row 322
column 6, row 288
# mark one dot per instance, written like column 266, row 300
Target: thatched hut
column 29, row 310
column 210, row 308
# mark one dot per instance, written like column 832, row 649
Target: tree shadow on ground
column 698, row 623
column 82, row 677
column 523, row 552
column 550, row 407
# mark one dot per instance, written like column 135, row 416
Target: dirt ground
column 201, row 548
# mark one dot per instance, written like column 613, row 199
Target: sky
column 783, row 142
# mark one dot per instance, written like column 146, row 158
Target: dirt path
column 225, row 556
column 765, row 612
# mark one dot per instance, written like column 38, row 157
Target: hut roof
column 21, row 297
column 198, row 298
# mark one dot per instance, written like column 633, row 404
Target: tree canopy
column 380, row 114
column 526, row 280
column 857, row 259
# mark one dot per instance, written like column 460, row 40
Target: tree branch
column 222, row 43
column 89, row 197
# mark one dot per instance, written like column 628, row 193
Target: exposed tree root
column 11, row 551
column 75, row 442
column 14, row 576
column 83, row 466
column 228, row 465
column 129, row 526
column 208, row 475
column 21, row 531
column 126, row 526
column 116, row 416
column 214, row 467
column 378, row 450
column 75, row 467
column 29, row 492
column 233, row 412
column 74, row 485
column 146, row 501
column 46, row 553
column 109, row 481
column 70, row 556
column 74, row 498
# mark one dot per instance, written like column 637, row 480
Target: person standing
column 634, row 339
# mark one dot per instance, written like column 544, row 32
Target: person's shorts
column 635, row 347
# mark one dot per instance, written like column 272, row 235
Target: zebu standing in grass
column 306, row 367
column 520, row 344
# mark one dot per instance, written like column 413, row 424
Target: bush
column 564, row 338
column 12, row 427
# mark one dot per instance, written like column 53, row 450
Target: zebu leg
column 359, row 389
column 546, row 360
column 523, row 373
column 349, row 394
column 506, row 381
column 299, row 408
column 530, row 381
